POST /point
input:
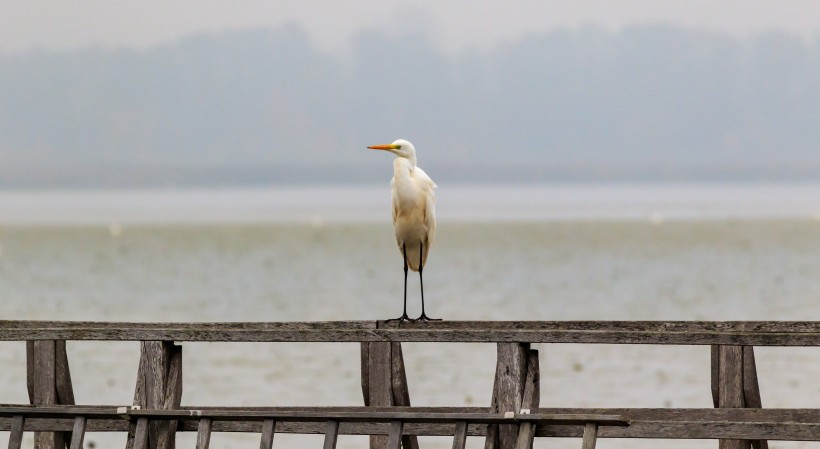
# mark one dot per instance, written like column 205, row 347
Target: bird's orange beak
column 388, row 147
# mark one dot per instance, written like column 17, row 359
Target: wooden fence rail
column 512, row 420
column 272, row 421
column 736, row 333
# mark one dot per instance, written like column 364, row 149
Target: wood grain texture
column 643, row 326
column 268, row 431
column 656, row 423
column 141, row 434
column 155, row 386
column 16, row 432
column 401, row 391
column 394, row 438
column 590, row 436
column 380, row 383
column 530, row 400
column 751, row 388
column 30, row 370
column 172, row 397
column 491, row 439
column 604, row 332
column 365, row 353
column 45, row 389
column 730, row 388
column 460, row 435
column 715, row 374
column 331, row 434
column 203, row 433
column 78, row 433
column 512, row 370
column 65, row 391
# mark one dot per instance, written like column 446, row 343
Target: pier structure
column 512, row 420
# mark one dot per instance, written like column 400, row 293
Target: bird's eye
column 398, row 147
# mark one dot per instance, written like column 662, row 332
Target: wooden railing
column 268, row 422
column 738, row 420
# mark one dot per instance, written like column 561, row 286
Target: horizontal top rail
column 753, row 333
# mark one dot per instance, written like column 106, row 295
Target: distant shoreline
column 327, row 204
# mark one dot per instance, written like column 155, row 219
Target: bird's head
column 401, row 148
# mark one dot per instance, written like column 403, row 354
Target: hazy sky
column 454, row 25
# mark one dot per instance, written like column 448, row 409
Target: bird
column 414, row 213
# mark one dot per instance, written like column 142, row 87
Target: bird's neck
column 403, row 164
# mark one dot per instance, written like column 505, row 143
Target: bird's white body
column 414, row 204
column 414, row 211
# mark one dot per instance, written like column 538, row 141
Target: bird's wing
column 429, row 188
column 395, row 200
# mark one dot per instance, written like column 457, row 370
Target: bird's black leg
column 404, row 316
column 423, row 316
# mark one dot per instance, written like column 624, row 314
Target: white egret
column 414, row 213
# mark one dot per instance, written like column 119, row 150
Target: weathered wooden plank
column 78, row 433
column 282, row 325
column 30, row 370
column 155, row 387
column 331, row 434
column 617, row 336
column 65, row 391
column 203, row 433
column 172, row 397
column 731, row 387
column 715, row 374
column 530, row 400
column 460, row 435
column 590, row 436
column 652, row 326
column 445, row 414
column 751, row 388
column 365, row 353
column 380, row 383
column 141, row 434
column 268, row 430
column 491, row 439
column 45, row 390
column 401, row 391
column 771, row 424
column 16, row 432
column 512, row 370
column 140, row 398
column 394, row 438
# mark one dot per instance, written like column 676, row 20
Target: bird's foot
column 404, row 317
column 424, row 317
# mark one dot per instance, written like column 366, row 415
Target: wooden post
column 394, row 439
column 203, row 433
column 331, row 435
column 159, row 387
column 590, row 436
column 49, row 383
column 384, row 384
column 268, row 431
column 510, row 374
column 401, row 392
column 78, row 433
column 751, row 388
column 530, row 400
column 380, row 385
column 16, row 434
column 460, row 435
column 730, row 387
